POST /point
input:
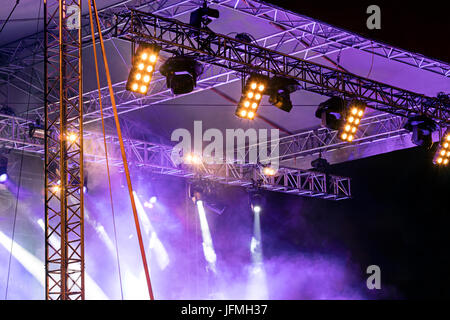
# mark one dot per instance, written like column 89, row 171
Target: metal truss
column 21, row 61
column 63, row 152
column 158, row 158
column 226, row 52
column 213, row 76
column 322, row 39
column 372, row 128
column 314, row 38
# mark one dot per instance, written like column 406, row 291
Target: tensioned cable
column 10, row 14
column 124, row 156
column 106, row 150
column 21, row 162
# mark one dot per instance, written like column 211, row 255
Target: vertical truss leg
column 64, row 238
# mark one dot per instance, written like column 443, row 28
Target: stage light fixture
column 71, row 137
column 256, row 201
column 36, row 130
column 203, row 16
column 320, row 164
column 181, row 73
column 331, row 113
column 144, row 61
column 193, row 159
column 196, row 191
column 422, row 129
column 353, row 115
column 279, row 91
column 268, row 171
column 442, row 156
column 3, row 169
column 252, row 93
column 56, row 188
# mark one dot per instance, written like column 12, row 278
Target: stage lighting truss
column 442, row 156
column 141, row 72
column 353, row 116
column 252, row 93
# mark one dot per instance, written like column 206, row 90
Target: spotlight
column 56, row 188
column 193, row 159
column 331, row 113
column 353, row 115
column 336, row 115
column 279, row 90
column 196, row 191
column 85, row 185
column 320, row 164
column 36, row 130
column 251, row 96
column 244, row 37
column 141, row 72
column 442, row 156
column 153, row 200
column 181, row 73
column 203, row 16
column 71, row 137
column 269, row 171
column 3, row 169
column 422, row 128
column 256, row 201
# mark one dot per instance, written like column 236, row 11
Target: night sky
column 421, row 27
column 398, row 219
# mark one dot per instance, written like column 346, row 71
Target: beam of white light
column 257, row 284
column 208, row 248
column 32, row 264
column 93, row 291
column 155, row 244
column 105, row 238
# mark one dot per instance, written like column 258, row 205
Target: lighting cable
column 10, row 14
column 21, row 163
column 124, row 157
column 106, row 150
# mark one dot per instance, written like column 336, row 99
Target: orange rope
column 124, row 157
column 106, row 148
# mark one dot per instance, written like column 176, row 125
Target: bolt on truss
column 223, row 51
column 158, row 159
column 63, row 153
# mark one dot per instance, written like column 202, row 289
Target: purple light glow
column 176, row 249
column 3, row 177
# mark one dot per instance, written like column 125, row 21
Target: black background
column 418, row 26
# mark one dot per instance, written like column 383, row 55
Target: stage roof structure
column 153, row 117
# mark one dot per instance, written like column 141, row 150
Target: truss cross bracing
column 14, row 134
